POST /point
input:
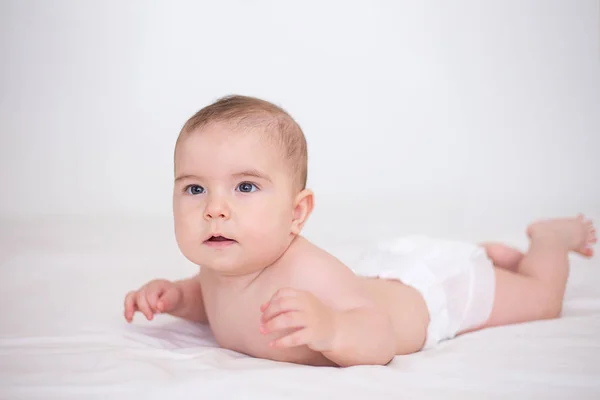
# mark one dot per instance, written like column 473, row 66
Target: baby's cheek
column 265, row 239
column 187, row 237
column 266, row 231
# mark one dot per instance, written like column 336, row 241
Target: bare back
column 234, row 310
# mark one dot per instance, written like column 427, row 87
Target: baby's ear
column 303, row 206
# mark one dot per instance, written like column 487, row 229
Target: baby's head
column 240, row 174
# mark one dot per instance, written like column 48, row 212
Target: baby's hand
column 311, row 322
column 154, row 297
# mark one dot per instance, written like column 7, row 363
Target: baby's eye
column 194, row 190
column 247, row 187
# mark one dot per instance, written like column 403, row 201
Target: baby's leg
column 503, row 256
column 536, row 291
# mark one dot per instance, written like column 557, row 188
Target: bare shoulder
column 313, row 269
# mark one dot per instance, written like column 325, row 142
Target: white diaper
column 456, row 280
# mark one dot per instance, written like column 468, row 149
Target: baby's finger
column 129, row 306
column 169, row 300
column 286, row 320
column 297, row 338
column 129, row 314
column 152, row 297
column 280, row 305
column 143, row 305
column 283, row 292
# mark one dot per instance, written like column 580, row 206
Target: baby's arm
column 182, row 299
column 191, row 306
column 330, row 311
column 363, row 335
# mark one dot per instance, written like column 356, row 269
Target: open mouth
column 219, row 240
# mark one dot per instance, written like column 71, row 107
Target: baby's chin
column 227, row 266
column 234, row 259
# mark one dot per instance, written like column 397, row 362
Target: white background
column 447, row 115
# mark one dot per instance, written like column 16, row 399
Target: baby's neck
column 241, row 281
column 233, row 281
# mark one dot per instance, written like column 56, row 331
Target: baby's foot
column 577, row 233
column 503, row 256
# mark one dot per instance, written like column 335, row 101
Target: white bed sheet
column 62, row 334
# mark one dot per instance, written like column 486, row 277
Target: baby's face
column 233, row 200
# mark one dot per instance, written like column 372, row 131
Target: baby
column 240, row 204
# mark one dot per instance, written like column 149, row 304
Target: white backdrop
column 452, row 114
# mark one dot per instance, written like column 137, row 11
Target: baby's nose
column 211, row 215
column 216, row 209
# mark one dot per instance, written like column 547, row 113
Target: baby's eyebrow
column 254, row 173
column 183, row 177
column 249, row 172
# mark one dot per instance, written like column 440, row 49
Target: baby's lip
column 218, row 238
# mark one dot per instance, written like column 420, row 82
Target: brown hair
column 251, row 112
